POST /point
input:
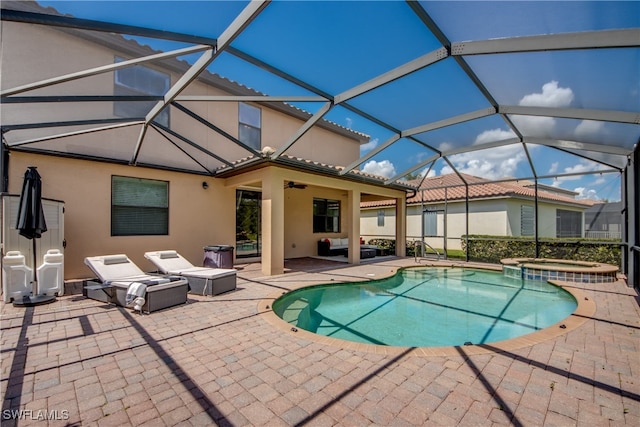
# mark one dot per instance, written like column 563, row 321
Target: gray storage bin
column 218, row 256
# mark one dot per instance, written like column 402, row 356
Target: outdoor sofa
column 117, row 275
column 340, row 246
column 202, row 280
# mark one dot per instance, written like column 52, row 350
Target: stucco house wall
column 496, row 217
column 197, row 216
column 33, row 52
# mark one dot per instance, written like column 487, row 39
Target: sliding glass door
column 248, row 224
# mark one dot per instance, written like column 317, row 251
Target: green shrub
column 388, row 245
column 492, row 249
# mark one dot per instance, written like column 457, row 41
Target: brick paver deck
column 223, row 361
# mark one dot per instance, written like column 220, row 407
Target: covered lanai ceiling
column 428, row 86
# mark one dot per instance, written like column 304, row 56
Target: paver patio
column 222, row 361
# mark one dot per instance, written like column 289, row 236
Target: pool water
column 426, row 307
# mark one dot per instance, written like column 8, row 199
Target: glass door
column 248, row 224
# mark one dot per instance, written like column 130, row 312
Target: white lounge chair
column 202, row 280
column 119, row 276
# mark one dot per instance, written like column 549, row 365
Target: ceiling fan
column 292, row 184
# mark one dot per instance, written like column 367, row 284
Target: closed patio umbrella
column 31, row 224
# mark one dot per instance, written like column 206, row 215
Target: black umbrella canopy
column 31, row 223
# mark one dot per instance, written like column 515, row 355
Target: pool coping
column 584, row 311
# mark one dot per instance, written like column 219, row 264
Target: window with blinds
column 139, row 207
column 430, row 219
column 527, row 220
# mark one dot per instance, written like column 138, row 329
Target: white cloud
column 584, row 166
column 493, row 135
column 431, row 173
column 384, row 168
column 349, row 122
column 538, row 126
column 446, row 170
column 554, row 167
column 445, row 146
column 494, row 163
column 590, row 130
column 551, row 96
column 373, row 143
column 586, row 193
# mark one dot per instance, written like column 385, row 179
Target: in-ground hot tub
column 559, row 269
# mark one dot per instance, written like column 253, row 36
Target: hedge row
column 492, row 249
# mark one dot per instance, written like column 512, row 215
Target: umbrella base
column 30, row 301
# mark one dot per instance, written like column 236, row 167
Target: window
column 430, row 223
column 139, row 207
column 250, row 123
column 326, row 216
column 380, row 217
column 140, row 80
column 527, row 221
column 568, row 223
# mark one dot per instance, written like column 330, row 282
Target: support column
column 353, row 224
column 633, row 215
column 401, row 226
column 272, row 223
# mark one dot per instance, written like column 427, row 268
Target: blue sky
column 338, row 45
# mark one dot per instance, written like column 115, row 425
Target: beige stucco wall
column 299, row 238
column 487, row 217
column 31, row 53
column 197, row 217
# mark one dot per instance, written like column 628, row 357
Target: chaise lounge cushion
column 109, row 268
column 201, row 279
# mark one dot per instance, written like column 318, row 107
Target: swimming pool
column 427, row 307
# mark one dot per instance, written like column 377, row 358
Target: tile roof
column 319, row 167
column 452, row 188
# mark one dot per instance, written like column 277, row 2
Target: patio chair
column 119, row 282
column 202, row 280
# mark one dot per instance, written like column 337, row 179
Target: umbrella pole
column 34, row 284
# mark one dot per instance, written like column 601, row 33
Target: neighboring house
column 269, row 209
column 604, row 221
column 494, row 208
